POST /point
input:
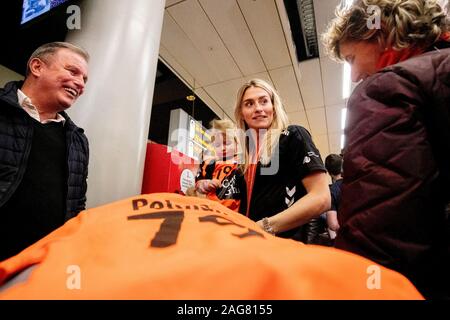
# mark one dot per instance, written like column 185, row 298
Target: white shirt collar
column 27, row 105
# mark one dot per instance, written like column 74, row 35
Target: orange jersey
column 167, row 246
column 229, row 194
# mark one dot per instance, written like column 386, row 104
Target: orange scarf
column 250, row 175
column 250, row 180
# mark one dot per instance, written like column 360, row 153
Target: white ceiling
column 217, row 45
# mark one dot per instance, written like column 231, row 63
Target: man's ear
column 36, row 65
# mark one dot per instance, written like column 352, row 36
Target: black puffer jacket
column 16, row 134
column 397, row 171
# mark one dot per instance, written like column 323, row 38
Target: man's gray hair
column 48, row 49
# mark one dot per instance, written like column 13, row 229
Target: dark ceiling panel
column 19, row 41
column 303, row 28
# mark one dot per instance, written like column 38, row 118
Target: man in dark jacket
column 43, row 154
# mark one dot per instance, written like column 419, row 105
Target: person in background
column 286, row 184
column 396, row 160
column 43, row 154
column 219, row 178
column 333, row 163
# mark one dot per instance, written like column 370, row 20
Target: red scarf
column 392, row 56
column 445, row 36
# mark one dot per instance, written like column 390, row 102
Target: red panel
column 163, row 169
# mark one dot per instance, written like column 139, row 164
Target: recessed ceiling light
column 343, row 118
column 346, row 81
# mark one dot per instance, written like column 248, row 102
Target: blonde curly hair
column 403, row 24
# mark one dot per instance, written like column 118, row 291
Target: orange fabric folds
column 167, row 246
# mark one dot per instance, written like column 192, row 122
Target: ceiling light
column 342, row 141
column 346, row 81
column 343, row 118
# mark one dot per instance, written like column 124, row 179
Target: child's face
column 225, row 146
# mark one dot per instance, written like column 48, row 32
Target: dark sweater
column 39, row 204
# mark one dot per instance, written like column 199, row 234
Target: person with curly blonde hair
column 396, row 163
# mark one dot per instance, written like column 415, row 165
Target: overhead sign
column 188, row 136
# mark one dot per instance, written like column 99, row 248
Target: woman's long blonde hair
column 271, row 138
column 403, row 24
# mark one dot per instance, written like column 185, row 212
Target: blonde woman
column 396, row 162
column 284, row 173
